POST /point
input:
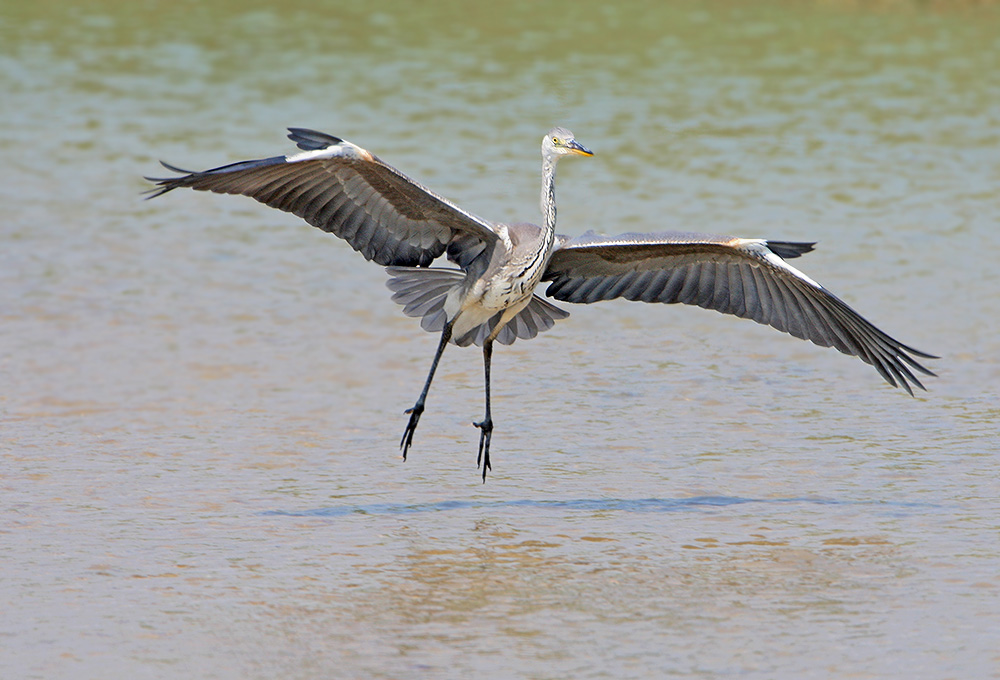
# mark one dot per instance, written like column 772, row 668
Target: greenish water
column 201, row 398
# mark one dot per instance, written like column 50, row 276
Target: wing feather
column 740, row 301
column 743, row 277
column 342, row 189
column 673, row 283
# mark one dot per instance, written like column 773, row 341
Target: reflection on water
column 583, row 504
column 674, row 492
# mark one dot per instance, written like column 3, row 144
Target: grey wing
column 343, row 189
column 744, row 277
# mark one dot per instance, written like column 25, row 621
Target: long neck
column 549, row 194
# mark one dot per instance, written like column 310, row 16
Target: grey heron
column 391, row 219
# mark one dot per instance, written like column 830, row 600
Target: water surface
column 202, row 398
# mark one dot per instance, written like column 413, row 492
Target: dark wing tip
column 900, row 365
column 165, row 184
column 311, row 140
column 201, row 180
column 790, row 249
column 174, row 168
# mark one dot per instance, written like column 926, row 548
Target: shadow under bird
column 396, row 222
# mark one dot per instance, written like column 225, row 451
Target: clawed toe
column 483, row 460
column 411, row 427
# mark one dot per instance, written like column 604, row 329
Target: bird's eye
column 557, row 141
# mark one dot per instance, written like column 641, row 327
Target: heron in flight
column 389, row 218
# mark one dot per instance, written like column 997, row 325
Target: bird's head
column 560, row 142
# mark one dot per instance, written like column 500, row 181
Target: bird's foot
column 486, row 425
column 411, row 427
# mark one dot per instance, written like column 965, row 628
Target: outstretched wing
column 343, row 189
column 744, row 277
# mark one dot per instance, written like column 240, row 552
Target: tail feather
column 423, row 292
column 537, row 316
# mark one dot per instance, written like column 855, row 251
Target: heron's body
column 344, row 189
column 506, row 286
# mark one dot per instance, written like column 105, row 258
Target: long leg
column 418, row 408
column 487, row 423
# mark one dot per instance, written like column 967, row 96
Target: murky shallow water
column 202, row 398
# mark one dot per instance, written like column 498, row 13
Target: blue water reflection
column 580, row 504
